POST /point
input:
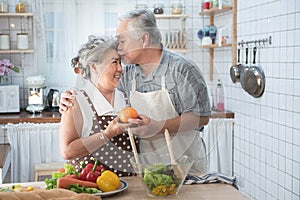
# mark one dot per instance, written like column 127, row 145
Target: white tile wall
column 267, row 129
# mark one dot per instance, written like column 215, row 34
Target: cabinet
column 13, row 23
column 174, row 37
column 211, row 13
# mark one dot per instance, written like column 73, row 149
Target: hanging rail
column 263, row 41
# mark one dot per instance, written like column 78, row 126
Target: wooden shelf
column 162, row 16
column 16, row 14
column 211, row 13
column 215, row 46
column 17, row 51
column 214, row 11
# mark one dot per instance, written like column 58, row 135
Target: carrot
column 72, row 176
column 65, row 182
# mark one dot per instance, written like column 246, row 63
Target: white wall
column 267, row 129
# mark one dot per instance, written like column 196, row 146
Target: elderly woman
column 89, row 130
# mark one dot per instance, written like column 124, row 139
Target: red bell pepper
column 93, row 174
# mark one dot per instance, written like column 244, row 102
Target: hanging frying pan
column 235, row 69
column 243, row 69
column 254, row 79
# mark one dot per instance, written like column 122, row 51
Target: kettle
column 53, row 100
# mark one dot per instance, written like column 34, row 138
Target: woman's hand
column 145, row 127
column 114, row 128
column 67, row 100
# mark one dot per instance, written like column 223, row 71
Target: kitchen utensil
column 236, row 69
column 177, row 168
column 244, row 68
column 254, row 80
column 134, row 149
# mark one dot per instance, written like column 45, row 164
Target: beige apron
column 158, row 105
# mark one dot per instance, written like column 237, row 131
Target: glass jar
column 20, row 7
column 158, row 9
column 22, row 40
column 3, row 6
column 177, row 8
column 4, row 41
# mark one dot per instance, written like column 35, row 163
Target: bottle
column 219, row 96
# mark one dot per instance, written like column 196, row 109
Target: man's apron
column 158, row 106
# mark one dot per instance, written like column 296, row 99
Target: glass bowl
column 159, row 176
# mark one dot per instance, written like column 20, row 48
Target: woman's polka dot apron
column 115, row 154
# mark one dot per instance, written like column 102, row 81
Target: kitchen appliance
column 36, row 90
column 9, row 99
column 52, row 100
column 35, row 99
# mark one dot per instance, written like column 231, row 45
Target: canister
column 3, row 6
column 20, row 7
column 22, row 40
column 177, row 8
column 158, row 9
column 4, row 41
column 206, row 5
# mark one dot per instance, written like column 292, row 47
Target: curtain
column 73, row 21
column 32, row 143
column 218, row 136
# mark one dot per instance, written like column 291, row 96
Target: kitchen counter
column 136, row 190
column 23, row 116
column 54, row 117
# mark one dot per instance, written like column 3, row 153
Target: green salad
column 161, row 180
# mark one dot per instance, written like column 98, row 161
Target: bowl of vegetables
column 161, row 176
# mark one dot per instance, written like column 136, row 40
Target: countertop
column 135, row 190
column 54, row 117
column 24, row 116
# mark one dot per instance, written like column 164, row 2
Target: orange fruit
column 126, row 113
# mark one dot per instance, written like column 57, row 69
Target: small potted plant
column 6, row 68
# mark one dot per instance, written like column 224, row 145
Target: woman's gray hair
column 141, row 22
column 93, row 52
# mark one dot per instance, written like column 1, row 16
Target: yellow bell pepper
column 108, row 181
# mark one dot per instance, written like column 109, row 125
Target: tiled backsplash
column 267, row 129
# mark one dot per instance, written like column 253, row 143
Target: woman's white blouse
column 102, row 106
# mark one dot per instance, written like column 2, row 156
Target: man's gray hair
column 141, row 22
